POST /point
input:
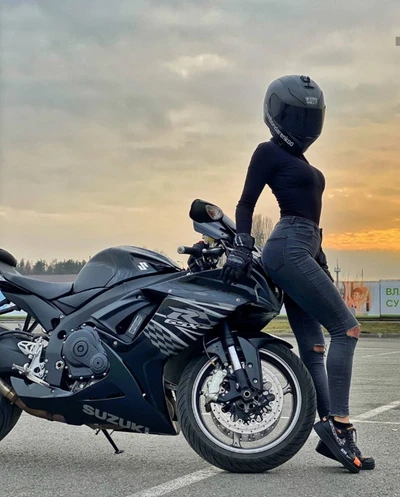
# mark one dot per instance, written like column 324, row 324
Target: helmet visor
column 302, row 121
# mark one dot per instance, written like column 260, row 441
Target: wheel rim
column 265, row 430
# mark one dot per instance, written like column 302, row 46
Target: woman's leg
column 290, row 263
column 289, row 258
column 311, row 342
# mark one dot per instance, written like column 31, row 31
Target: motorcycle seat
column 44, row 289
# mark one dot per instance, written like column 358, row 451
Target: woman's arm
column 259, row 173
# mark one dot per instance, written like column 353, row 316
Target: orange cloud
column 365, row 240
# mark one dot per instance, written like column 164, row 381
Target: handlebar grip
column 217, row 251
column 186, row 250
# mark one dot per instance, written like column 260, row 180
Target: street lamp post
column 337, row 271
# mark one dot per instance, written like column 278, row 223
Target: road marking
column 378, row 410
column 183, row 481
column 376, row 422
column 204, row 474
column 376, row 355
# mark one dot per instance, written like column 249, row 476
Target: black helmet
column 294, row 111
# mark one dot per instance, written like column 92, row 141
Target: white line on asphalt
column 378, row 410
column 375, row 422
column 384, row 353
column 183, row 481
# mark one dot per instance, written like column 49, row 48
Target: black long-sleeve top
column 296, row 184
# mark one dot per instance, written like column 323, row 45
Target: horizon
column 114, row 117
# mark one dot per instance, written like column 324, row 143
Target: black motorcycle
column 136, row 344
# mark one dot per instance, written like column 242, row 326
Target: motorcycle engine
column 84, row 354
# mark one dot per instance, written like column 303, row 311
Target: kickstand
column 113, row 444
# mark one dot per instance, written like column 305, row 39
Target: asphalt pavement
column 44, row 459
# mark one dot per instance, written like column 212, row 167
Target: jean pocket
column 274, row 253
column 306, row 231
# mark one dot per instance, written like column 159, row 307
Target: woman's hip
column 293, row 241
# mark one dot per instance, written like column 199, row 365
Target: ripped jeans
column 311, row 299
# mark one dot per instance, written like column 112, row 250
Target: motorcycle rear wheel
column 9, row 415
column 264, row 442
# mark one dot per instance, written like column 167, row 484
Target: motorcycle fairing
column 117, row 395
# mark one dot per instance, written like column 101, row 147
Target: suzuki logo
column 143, row 266
column 114, row 420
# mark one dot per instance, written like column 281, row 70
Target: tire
column 243, row 460
column 9, row 415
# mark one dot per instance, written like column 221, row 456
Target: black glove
column 195, row 261
column 322, row 261
column 239, row 260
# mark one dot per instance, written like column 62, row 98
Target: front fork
column 248, row 376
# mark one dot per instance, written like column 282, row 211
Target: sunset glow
column 365, row 240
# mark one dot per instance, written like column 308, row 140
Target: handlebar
column 186, row 250
column 217, row 251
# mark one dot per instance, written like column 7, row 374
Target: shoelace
column 351, row 436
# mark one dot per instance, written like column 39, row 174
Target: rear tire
column 259, row 460
column 9, row 415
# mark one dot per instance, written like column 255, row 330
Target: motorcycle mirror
column 205, row 212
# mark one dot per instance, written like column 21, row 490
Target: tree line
column 41, row 266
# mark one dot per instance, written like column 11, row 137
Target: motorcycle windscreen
column 214, row 230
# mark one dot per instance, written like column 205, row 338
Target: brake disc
column 258, row 424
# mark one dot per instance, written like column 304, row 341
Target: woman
column 294, row 111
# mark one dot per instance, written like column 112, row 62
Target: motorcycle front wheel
column 248, row 437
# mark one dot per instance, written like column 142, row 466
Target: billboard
column 390, row 298
column 362, row 298
column 370, row 299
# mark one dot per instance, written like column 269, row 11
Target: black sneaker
column 340, row 442
column 368, row 463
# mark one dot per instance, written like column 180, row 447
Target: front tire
column 251, row 451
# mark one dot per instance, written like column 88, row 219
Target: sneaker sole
column 326, row 438
column 368, row 463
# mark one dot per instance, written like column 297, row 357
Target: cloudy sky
column 115, row 115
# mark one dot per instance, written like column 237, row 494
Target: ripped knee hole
column 320, row 349
column 354, row 332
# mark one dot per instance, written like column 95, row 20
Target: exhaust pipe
column 10, row 394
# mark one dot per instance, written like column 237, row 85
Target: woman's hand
column 195, row 261
column 239, row 260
